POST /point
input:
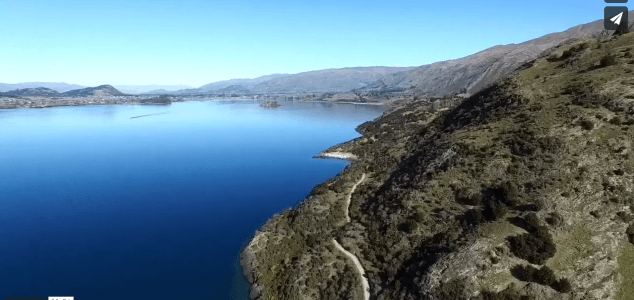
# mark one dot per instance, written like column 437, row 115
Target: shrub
column 468, row 197
column 473, row 217
column 495, row 201
column 511, row 193
column 454, row 289
column 630, row 233
column 494, row 210
column 562, row 286
column 536, row 247
column 543, row 276
column 520, row 147
column 607, row 60
column 586, row 124
column 554, row 219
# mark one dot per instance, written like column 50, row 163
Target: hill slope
column 472, row 73
column 40, row 91
column 522, row 191
column 102, row 90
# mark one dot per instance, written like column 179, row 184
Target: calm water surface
column 96, row 205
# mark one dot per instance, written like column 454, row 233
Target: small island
column 270, row 104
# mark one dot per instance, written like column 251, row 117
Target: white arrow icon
column 617, row 19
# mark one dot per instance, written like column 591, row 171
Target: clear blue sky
column 197, row 42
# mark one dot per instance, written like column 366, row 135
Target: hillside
column 472, row 73
column 522, row 191
column 102, row 90
column 39, row 91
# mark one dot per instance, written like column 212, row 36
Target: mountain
column 39, row 91
column 325, row 81
column 57, row 86
column 472, row 73
column 140, row 89
column 233, row 89
column 321, row 81
column 232, row 82
column 102, row 90
column 522, row 191
column 157, row 92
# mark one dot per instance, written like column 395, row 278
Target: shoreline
column 251, row 266
column 337, row 155
column 43, row 102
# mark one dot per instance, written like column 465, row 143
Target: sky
column 198, row 42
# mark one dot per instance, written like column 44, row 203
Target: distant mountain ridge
column 39, row 91
column 319, row 81
column 140, row 89
column 465, row 75
column 470, row 74
column 235, row 82
column 56, row 86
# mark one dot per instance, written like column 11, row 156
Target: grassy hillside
column 523, row 191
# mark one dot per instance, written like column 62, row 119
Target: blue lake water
column 96, row 205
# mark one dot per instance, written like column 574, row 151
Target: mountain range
column 102, row 90
column 62, row 87
column 56, row 86
column 470, row 74
column 466, row 75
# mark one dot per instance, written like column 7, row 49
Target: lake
column 96, row 205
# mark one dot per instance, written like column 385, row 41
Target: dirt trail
column 347, row 205
column 355, row 260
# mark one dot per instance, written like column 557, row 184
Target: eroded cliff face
column 523, row 191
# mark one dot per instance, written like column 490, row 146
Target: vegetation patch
column 537, row 245
column 543, row 276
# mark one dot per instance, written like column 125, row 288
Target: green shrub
column 630, row 233
column 511, row 193
column 473, row 217
column 543, row 276
column 536, row 246
column 495, row 201
column 554, row 219
column 469, row 197
column 586, row 124
column 608, row 59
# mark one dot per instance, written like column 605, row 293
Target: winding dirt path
column 347, row 205
column 355, row 260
